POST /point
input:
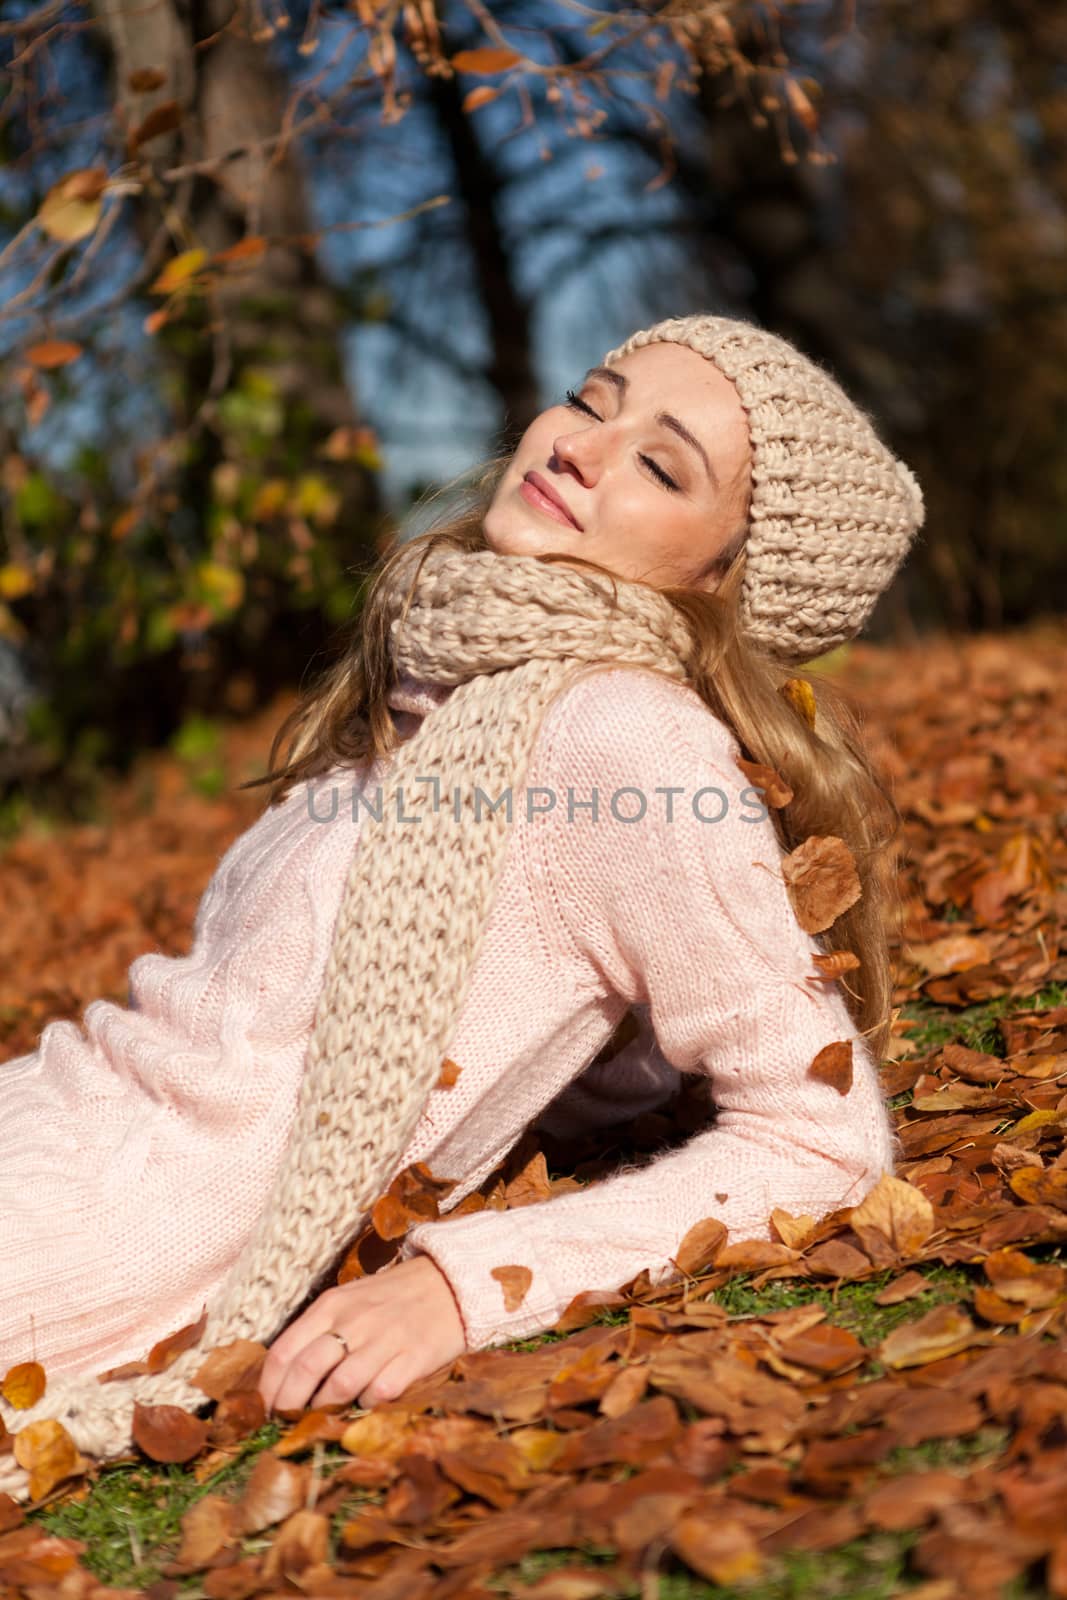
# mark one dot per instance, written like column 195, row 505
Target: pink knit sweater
column 140, row 1147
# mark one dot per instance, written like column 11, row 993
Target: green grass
column 976, row 1026
column 131, row 1517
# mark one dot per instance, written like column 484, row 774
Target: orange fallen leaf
column 942, row 1332
column 168, row 1433
column 275, row 1489
column 207, row 1527
column 48, row 1453
column 895, row 1213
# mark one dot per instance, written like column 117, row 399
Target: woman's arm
column 693, row 919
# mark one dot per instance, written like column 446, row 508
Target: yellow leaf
column 178, row 271
column 71, row 209
column 222, row 584
column 801, row 697
column 15, row 581
column 23, row 1385
column 48, row 1453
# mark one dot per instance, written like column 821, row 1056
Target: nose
column 578, row 451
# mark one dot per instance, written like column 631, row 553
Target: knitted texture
column 833, row 510
column 507, row 633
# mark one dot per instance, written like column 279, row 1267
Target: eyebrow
column 621, row 385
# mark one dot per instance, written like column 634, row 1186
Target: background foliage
column 267, row 271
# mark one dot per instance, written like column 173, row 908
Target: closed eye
column 576, row 403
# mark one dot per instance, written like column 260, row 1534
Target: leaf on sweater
column 700, row 1245
column 822, row 881
column 450, row 1071
column 48, row 1453
column 168, row 1433
column 229, row 1367
column 833, row 1066
column 24, row 1385
column 776, row 792
column 167, row 1350
column 515, row 1282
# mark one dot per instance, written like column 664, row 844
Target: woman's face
column 644, row 471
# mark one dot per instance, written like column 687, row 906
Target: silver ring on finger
column 333, row 1334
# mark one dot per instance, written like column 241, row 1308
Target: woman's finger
column 355, row 1374
column 306, row 1371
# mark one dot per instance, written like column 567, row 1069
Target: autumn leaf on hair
column 822, row 881
column 776, row 792
column 801, row 697
column 515, row 1281
column 833, row 965
column 833, row 1065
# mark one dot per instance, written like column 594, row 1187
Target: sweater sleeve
column 692, row 918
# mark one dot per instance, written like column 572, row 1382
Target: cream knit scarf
column 508, row 631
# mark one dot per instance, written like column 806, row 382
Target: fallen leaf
column 168, row 1433
column 275, row 1489
column 895, row 1213
column 48, row 1453
column 944, row 1331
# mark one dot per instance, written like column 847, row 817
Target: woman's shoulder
column 630, row 713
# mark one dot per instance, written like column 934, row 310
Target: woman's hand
column 400, row 1324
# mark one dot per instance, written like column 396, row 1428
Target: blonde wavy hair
column 343, row 719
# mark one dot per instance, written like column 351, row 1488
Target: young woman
column 615, row 622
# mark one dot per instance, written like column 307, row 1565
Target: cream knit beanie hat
column 833, row 511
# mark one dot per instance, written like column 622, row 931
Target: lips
column 537, row 490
